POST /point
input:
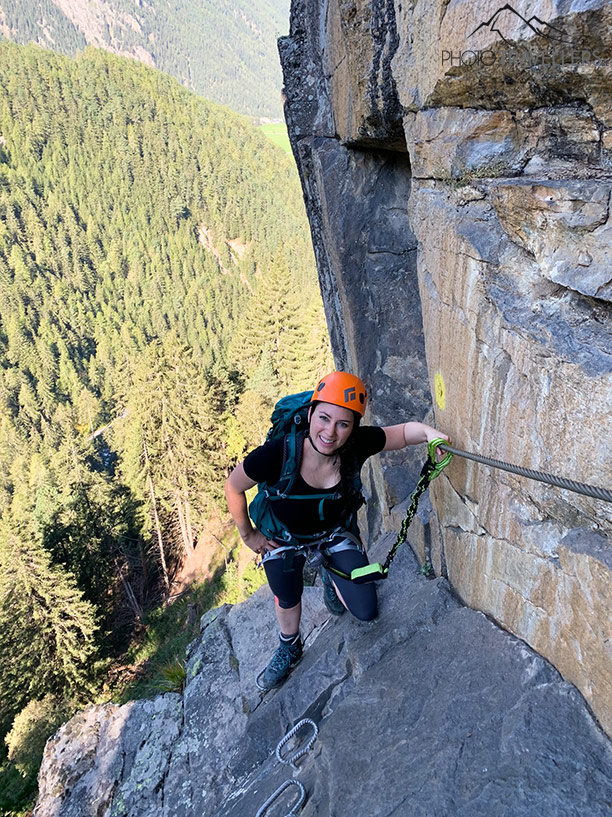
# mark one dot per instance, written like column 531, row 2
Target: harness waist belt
column 349, row 542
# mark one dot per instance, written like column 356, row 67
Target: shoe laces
column 281, row 657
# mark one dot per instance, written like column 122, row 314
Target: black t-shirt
column 303, row 516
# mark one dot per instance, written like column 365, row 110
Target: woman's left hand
column 434, row 434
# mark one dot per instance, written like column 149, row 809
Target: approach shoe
column 330, row 597
column 287, row 655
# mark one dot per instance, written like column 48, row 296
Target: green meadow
column 277, row 133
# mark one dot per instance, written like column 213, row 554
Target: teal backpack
column 290, row 420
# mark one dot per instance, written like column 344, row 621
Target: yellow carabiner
column 439, row 465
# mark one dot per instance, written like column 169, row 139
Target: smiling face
column 330, row 427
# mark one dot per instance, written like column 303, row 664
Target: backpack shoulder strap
column 292, row 459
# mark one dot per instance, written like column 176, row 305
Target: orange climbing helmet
column 341, row 389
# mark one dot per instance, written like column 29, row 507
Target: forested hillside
column 157, row 294
column 224, row 50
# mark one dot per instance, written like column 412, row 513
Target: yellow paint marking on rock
column 440, row 390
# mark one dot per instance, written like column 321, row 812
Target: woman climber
column 319, row 510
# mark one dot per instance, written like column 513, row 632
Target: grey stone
column 504, row 283
column 356, row 200
column 513, row 276
column 527, row 72
column 563, row 226
column 572, row 330
column 370, row 272
column 303, row 72
column 110, row 760
column 430, row 710
column 592, row 543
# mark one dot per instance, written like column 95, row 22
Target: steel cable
column 541, row 476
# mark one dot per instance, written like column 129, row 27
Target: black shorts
column 288, row 585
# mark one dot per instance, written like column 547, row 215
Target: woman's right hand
column 258, row 542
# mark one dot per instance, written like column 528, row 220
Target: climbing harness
column 291, row 760
column 376, row 571
column 318, row 555
column 316, row 551
column 541, row 476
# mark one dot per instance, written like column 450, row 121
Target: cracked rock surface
column 460, row 214
column 430, row 710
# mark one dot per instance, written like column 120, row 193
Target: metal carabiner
column 438, row 465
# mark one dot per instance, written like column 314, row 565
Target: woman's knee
column 360, row 599
column 288, row 603
column 365, row 612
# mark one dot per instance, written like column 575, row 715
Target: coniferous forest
column 223, row 49
column 157, row 295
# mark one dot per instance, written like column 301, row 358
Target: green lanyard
column 376, row 571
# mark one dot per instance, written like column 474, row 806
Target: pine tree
column 176, row 413
column 279, row 344
column 47, row 630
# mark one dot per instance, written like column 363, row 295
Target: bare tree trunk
column 145, row 567
column 226, row 552
column 160, row 541
column 188, row 524
column 184, row 523
column 132, row 601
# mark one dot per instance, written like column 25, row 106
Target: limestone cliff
column 457, row 170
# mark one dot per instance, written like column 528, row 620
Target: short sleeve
column 264, row 464
column 370, row 440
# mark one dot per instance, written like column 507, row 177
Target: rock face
column 457, row 171
column 432, row 709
